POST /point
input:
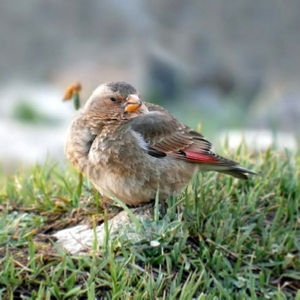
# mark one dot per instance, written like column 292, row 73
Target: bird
column 134, row 150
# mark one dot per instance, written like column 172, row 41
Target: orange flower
column 71, row 90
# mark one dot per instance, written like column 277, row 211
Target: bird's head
column 114, row 101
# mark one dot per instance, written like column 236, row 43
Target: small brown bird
column 131, row 149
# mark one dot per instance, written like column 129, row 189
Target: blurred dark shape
column 224, row 82
column 162, row 79
column 227, row 84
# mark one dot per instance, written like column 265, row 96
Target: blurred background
column 233, row 66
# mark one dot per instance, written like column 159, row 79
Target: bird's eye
column 113, row 99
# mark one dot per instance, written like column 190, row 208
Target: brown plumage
column 130, row 149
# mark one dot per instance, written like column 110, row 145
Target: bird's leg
column 163, row 207
column 107, row 204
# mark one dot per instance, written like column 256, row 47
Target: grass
column 221, row 239
column 26, row 112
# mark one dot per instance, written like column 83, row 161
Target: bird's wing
column 167, row 136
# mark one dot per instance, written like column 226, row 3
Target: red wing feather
column 196, row 156
column 200, row 157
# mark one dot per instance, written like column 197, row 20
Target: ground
column 223, row 238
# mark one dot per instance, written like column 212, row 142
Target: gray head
column 122, row 88
column 114, row 100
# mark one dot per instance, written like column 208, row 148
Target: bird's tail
column 237, row 172
column 229, row 167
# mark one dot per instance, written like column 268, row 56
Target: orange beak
column 133, row 103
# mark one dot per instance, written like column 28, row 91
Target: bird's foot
column 162, row 206
column 107, row 204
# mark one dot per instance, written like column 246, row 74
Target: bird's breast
column 119, row 147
